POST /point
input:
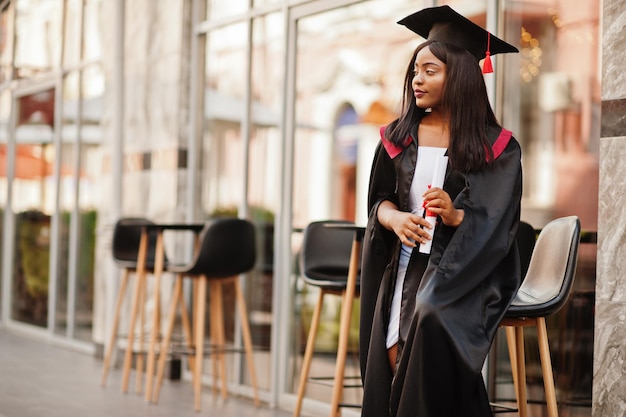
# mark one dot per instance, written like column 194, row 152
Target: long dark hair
column 465, row 102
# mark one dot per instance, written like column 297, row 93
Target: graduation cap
column 445, row 25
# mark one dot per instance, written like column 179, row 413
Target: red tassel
column 487, row 66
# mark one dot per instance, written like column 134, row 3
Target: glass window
column 37, row 36
column 263, row 178
column 223, row 162
column 344, row 92
column 224, row 108
column 92, row 33
column 34, row 189
column 33, row 203
column 551, row 100
column 78, row 200
column 261, row 3
column 6, row 42
column 89, row 198
column 217, row 9
column 71, row 35
column 350, row 65
column 5, row 112
column 267, row 78
column 67, row 198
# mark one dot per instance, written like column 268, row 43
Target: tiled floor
column 39, row 379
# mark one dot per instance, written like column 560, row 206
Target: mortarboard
column 445, row 25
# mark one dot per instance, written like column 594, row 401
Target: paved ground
column 39, row 379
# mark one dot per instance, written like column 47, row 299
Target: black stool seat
column 125, row 250
column 227, row 248
column 325, row 257
column 325, row 263
column 544, row 290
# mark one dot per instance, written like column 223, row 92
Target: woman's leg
column 392, row 352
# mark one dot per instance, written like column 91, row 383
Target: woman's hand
column 438, row 202
column 407, row 226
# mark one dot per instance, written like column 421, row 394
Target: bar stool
column 545, row 289
column 324, row 263
column 227, row 249
column 125, row 250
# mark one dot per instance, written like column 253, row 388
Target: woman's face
column 429, row 76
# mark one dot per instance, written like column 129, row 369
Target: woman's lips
column 419, row 93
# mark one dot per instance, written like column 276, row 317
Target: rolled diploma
column 439, row 174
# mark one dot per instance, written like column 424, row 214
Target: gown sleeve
column 476, row 248
column 378, row 244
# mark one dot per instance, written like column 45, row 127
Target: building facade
column 269, row 110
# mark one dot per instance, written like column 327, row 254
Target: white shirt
column 426, row 157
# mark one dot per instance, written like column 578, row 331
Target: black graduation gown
column 463, row 287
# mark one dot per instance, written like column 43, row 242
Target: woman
column 428, row 320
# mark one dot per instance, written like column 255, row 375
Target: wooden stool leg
column 521, row 371
column 141, row 277
column 194, row 314
column 140, row 355
column 247, row 338
column 510, row 341
column 186, row 327
column 156, row 315
column 546, row 366
column 342, row 352
column 128, row 355
column 347, row 299
column 214, row 336
column 114, row 329
column 308, row 353
column 217, row 321
column 199, row 333
column 167, row 337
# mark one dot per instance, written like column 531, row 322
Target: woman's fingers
column 413, row 231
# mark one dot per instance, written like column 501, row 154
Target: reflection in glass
column 264, row 160
column 38, row 41
column 5, row 109
column 67, row 192
column 263, row 192
column 78, row 199
column 33, row 201
column 224, row 107
column 71, row 35
column 551, row 99
column 344, row 92
column 262, row 3
column 37, row 36
column 223, row 150
column 5, row 113
column 92, row 33
column 89, row 198
column 6, row 42
column 219, row 9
